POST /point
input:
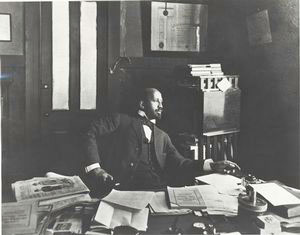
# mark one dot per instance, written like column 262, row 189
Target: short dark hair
column 145, row 93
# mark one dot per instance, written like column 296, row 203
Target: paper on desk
column 112, row 216
column 225, row 184
column 275, row 194
column 158, row 206
column 216, row 203
column 19, row 217
column 132, row 199
column 62, row 202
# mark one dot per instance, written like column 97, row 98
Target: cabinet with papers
column 208, row 108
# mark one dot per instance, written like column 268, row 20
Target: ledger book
column 185, row 197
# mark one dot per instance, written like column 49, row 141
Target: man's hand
column 223, row 167
column 101, row 175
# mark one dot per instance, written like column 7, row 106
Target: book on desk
column 289, row 211
column 185, row 198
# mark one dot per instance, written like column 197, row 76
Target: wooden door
column 64, row 113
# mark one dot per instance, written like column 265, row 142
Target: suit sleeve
column 184, row 165
column 97, row 129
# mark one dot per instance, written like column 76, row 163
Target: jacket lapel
column 158, row 146
column 137, row 127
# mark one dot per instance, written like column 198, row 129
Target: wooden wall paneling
column 13, row 84
column 102, row 57
column 32, row 71
column 74, row 98
column 46, row 65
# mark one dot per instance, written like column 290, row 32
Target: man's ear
column 141, row 105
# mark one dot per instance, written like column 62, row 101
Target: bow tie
column 147, row 122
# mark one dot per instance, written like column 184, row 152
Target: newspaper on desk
column 24, row 218
column 19, row 217
column 48, row 187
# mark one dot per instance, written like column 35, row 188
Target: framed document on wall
column 180, row 27
column 5, row 27
column 12, row 28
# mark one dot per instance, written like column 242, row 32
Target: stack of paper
column 58, row 191
column 216, row 203
column 275, row 194
column 131, row 199
column 124, row 208
column 185, row 198
column 24, row 217
column 285, row 201
column 38, row 198
column 114, row 216
column 225, row 184
column 158, row 206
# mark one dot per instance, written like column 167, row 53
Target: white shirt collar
column 143, row 114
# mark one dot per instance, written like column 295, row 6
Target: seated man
column 142, row 155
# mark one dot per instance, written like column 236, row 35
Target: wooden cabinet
column 212, row 115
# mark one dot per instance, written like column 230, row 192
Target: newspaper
column 48, row 187
column 19, row 218
column 66, row 201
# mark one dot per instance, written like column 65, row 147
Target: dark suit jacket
column 115, row 142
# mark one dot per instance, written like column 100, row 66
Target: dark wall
column 269, row 142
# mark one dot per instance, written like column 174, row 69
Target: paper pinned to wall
column 259, row 31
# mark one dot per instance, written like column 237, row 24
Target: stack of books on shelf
column 209, row 77
column 199, row 70
column 39, row 198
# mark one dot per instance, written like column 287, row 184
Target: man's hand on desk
column 223, row 167
column 101, row 175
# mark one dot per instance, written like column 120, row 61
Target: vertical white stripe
column 60, row 55
column 88, row 55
